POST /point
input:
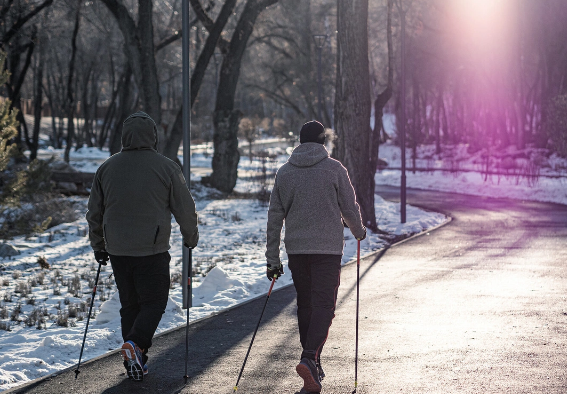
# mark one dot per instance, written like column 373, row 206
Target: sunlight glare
column 482, row 19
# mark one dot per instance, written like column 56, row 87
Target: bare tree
column 226, row 118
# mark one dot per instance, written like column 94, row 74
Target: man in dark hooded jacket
column 313, row 195
column 133, row 195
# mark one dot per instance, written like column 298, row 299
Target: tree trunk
column 139, row 49
column 124, row 107
column 37, row 104
column 17, row 78
column 85, row 136
column 225, row 117
column 70, row 98
column 382, row 98
column 352, row 103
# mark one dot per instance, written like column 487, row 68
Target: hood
column 308, row 154
column 139, row 131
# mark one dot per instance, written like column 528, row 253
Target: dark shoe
column 307, row 369
column 132, row 355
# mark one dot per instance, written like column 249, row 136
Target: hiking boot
column 307, row 369
column 132, row 355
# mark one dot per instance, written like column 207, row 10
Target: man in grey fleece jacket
column 132, row 198
column 313, row 195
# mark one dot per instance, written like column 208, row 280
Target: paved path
column 477, row 306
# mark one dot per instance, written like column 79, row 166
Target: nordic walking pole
column 254, row 336
column 189, row 304
column 357, row 302
column 88, row 319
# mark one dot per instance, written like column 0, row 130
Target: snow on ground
column 550, row 186
column 228, row 265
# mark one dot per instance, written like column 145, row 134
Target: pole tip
column 77, row 372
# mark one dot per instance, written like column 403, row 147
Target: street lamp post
column 320, row 40
column 403, row 113
column 187, row 258
column 186, row 80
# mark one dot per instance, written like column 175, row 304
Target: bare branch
column 22, row 21
column 174, row 37
column 208, row 23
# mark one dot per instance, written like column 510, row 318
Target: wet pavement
column 476, row 306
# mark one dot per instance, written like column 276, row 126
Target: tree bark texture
column 352, row 103
column 225, row 117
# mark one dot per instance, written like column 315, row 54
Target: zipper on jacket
column 157, row 232
column 104, row 234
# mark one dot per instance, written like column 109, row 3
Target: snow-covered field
column 42, row 311
column 551, row 188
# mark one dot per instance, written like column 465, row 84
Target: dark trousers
column 316, row 278
column 143, row 287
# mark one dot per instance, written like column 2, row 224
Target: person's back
column 133, row 195
column 140, row 190
column 315, row 193
column 312, row 193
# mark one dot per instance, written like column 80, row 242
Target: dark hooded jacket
column 134, row 194
column 312, row 194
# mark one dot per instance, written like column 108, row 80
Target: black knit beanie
column 312, row 131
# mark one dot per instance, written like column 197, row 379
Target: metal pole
column 254, row 335
column 187, row 302
column 319, row 49
column 357, row 306
column 403, row 120
column 186, row 252
column 77, row 371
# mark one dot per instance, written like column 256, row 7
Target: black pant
column 316, row 278
column 143, row 287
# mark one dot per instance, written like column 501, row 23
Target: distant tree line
column 86, row 65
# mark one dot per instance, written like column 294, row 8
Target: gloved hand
column 101, row 256
column 363, row 237
column 274, row 272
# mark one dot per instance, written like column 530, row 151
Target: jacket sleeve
column 95, row 214
column 182, row 206
column 276, row 216
column 350, row 209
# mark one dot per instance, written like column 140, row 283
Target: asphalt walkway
column 477, row 306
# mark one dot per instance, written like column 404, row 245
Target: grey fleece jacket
column 312, row 194
column 134, row 194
